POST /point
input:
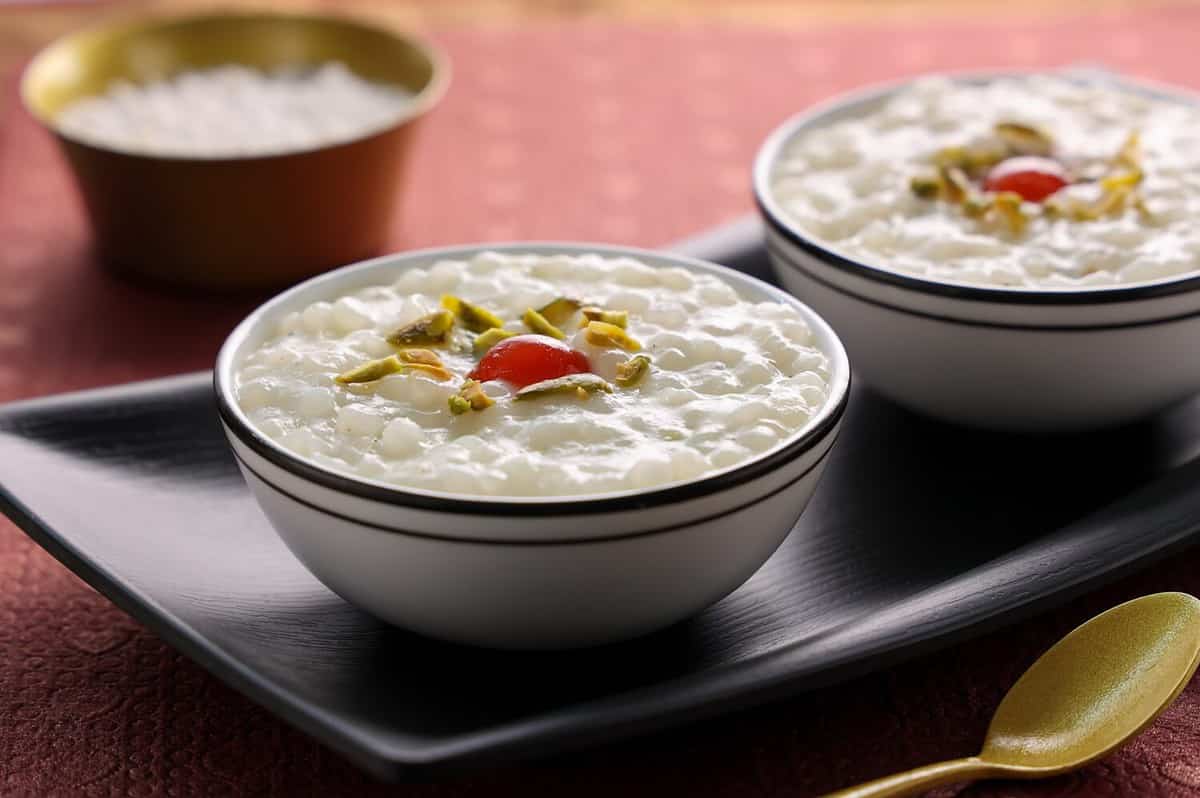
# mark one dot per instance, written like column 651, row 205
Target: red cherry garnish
column 525, row 359
column 1032, row 177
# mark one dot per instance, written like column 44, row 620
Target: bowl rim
column 777, row 221
column 805, row 439
column 418, row 105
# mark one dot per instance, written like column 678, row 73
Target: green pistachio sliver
column 617, row 318
column 431, row 329
column 956, row 187
column 972, row 160
column 1130, row 154
column 630, row 372
column 1024, row 139
column 423, row 356
column 926, row 187
column 976, row 206
column 473, row 317
column 470, row 397
column 1008, row 207
column 489, row 338
column 559, row 311
column 1121, row 180
column 438, row 373
column 537, row 323
column 371, row 371
column 579, row 384
column 601, row 333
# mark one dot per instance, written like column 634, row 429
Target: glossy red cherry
column 525, row 359
column 1032, row 177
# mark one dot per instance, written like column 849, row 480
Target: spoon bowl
column 1089, row 694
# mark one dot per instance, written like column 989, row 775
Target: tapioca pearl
column 258, row 393
column 317, row 317
column 488, row 262
column 796, row 331
column 358, row 421
column 548, row 433
column 412, row 281
column 289, row 323
column 670, row 316
column 315, row 402
column 428, row 394
column 718, row 293
column 704, row 349
column 303, row 442
column 632, row 301
column 728, row 453
column 807, row 359
column 650, row 468
column 758, row 438
column 677, row 278
column 479, row 450
column 350, row 314
column 748, row 414
column 371, row 467
column 370, row 343
column 552, row 268
column 272, row 426
column 754, row 371
column 814, row 395
column 718, row 382
column 630, row 272
column 458, row 478
column 677, row 397
column 401, row 437
column 445, row 275
column 687, row 463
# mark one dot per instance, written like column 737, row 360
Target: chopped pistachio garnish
column 420, row 356
column 371, row 370
column 926, row 186
column 439, row 373
column 617, row 318
column 537, row 322
column 470, row 397
column 1130, row 154
column 392, row 364
column 560, row 311
column 579, row 384
column 1121, row 180
column 973, row 160
column 956, row 186
column 601, row 333
column 1024, row 139
column 489, row 338
column 632, row 370
column 431, row 329
column 473, row 317
column 1008, row 207
column 976, row 205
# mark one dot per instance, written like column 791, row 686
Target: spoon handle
column 918, row 780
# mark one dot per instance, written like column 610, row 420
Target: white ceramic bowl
column 528, row 572
column 1004, row 358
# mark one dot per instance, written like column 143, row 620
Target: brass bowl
column 235, row 222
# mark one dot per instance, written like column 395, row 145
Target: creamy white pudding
column 235, row 111
column 723, row 380
column 850, row 185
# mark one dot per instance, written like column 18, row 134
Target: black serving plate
column 919, row 535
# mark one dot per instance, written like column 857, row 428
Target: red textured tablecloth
column 601, row 132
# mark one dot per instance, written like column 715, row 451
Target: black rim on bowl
column 776, row 219
column 825, row 420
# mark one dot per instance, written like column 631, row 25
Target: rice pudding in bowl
column 998, row 250
column 598, row 441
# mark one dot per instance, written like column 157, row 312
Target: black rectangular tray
column 919, row 535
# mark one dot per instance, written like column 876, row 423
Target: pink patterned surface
column 637, row 135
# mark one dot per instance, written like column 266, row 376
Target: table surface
column 631, row 129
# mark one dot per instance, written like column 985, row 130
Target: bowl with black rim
column 525, row 572
column 1010, row 358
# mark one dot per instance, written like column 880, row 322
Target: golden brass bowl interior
column 235, row 222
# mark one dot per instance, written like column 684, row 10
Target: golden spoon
column 1095, row 689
